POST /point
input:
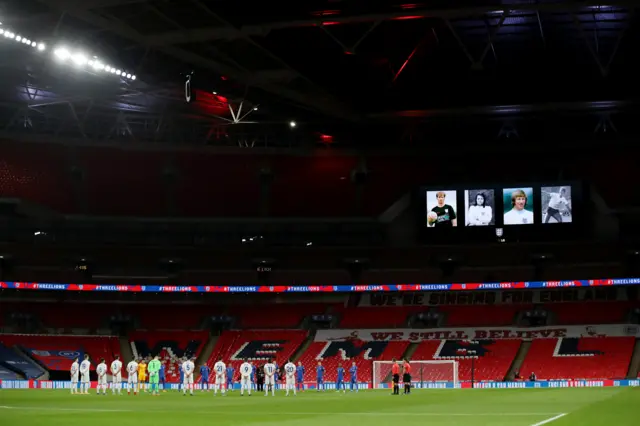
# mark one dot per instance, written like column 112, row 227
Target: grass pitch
column 472, row 407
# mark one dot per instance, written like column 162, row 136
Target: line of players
column 267, row 377
column 250, row 376
column 137, row 376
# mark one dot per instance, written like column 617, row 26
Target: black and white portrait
column 479, row 205
column 556, row 204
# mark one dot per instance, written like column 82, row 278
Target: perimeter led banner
column 317, row 289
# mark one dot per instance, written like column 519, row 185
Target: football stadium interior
column 436, row 198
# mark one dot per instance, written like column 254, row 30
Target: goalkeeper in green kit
column 154, row 375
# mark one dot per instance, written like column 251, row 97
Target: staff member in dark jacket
column 260, row 378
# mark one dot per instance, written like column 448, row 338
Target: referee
column 395, row 371
column 406, row 377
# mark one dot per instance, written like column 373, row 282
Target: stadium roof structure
column 338, row 67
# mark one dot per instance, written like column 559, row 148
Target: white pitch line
column 285, row 413
column 544, row 422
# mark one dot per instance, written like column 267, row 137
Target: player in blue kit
column 163, row 377
column 300, row 376
column 319, row 377
column 181, row 384
column 204, row 377
column 340, row 380
column 230, row 372
column 277, row 374
column 354, row 376
column 253, row 376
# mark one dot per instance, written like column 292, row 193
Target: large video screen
column 479, row 206
column 555, row 204
column 442, row 208
column 518, row 206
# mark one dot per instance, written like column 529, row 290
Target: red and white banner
column 492, row 297
column 491, row 333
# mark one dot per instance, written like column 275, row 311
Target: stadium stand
column 208, row 184
column 171, row 346
column 584, row 358
column 13, row 359
column 114, row 193
column 6, row 374
column 36, row 173
column 257, row 346
column 372, row 317
column 487, row 315
column 322, row 185
column 56, row 352
column 274, row 316
column 332, row 354
column 492, row 361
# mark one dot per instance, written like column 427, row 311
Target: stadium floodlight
column 79, row 59
column 133, row 77
column 118, row 72
column 128, row 76
column 10, row 35
column 62, row 53
column 41, row 47
column 18, row 38
column 292, row 124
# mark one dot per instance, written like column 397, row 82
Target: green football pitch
column 472, row 407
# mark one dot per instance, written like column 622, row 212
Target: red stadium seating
column 58, row 352
column 39, row 173
column 123, row 182
column 312, row 355
column 316, row 185
column 591, row 312
column 231, row 342
column 80, row 315
column 611, row 363
column 191, row 342
column 373, row 317
column 274, row 316
column 209, row 184
column 486, row 315
column 492, row 365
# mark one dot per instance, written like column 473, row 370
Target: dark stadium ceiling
column 323, row 61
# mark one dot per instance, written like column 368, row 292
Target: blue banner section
column 512, row 285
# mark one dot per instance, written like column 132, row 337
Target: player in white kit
column 85, row 368
column 132, row 380
column 188, row 368
column 219, row 369
column 75, row 371
column 101, row 371
column 290, row 377
column 116, row 375
column 245, row 377
column 269, row 378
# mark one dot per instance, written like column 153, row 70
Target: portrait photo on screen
column 442, row 209
column 518, row 206
column 555, row 204
column 480, row 205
